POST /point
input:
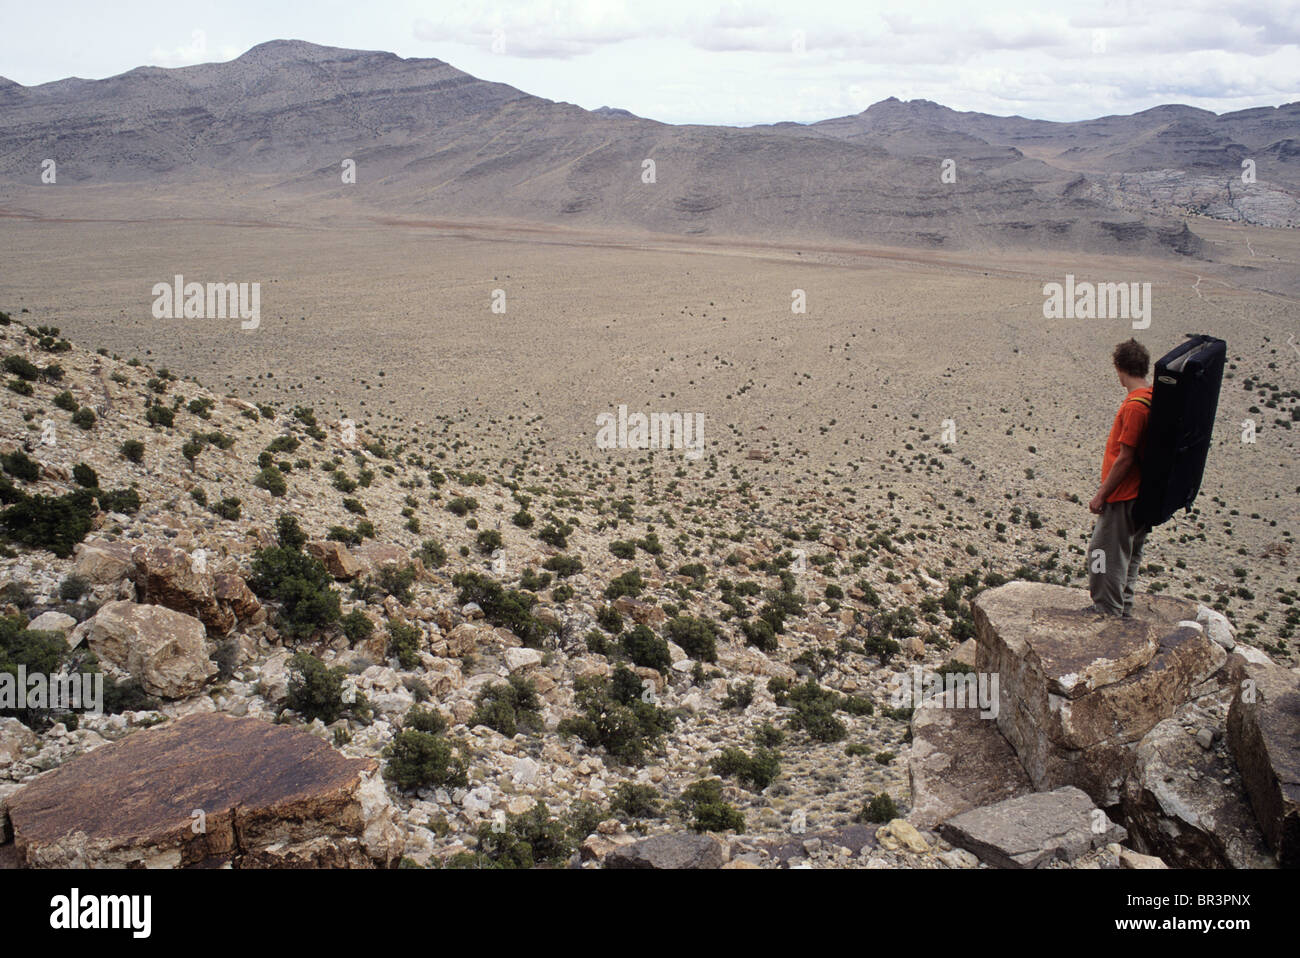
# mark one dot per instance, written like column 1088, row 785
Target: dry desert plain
column 388, row 320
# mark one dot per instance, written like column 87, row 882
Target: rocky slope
column 544, row 663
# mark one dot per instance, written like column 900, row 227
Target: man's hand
column 1097, row 505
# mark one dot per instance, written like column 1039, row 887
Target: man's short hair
column 1132, row 357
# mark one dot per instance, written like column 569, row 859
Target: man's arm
column 1123, row 463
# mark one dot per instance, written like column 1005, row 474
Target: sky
column 736, row 62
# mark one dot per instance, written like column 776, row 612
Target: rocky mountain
column 431, row 141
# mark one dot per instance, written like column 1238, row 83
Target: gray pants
column 1111, row 573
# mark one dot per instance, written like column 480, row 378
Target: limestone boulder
column 1077, row 691
column 102, row 562
column 337, row 559
column 168, row 576
column 668, row 852
column 207, row 790
column 1030, row 831
column 59, row 622
column 1177, row 806
column 643, row 613
column 959, row 761
column 468, row 637
column 373, row 556
column 1264, row 737
column 233, row 593
column 165, row 650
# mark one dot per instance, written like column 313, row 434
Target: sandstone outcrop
column 167, row 576
column 1264, row 736
column 1078, row 690
column 207, row 790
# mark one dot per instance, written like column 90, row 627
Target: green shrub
column 563, row 565
column 432, row 554
column 300, row 584
column 879, row 810
column 504, row 608
column 702, row 802
column 159, row 415
column 529, row 839
column 404, row 643
column 316, row 690
column 344, row 534
column 416, row 759
column 397, row 582
column 635, row 801
column 629, row 583
column 646, row 649
column 760, row 634
column 739, row 695
column 508, row 706
column 424, row 720
column 623, row 550
column 814, row 712
column 272, row 480
column 132, row 450
column 228, row 508
column 21, row 387
column 282, row 444
column 125, row 501
column 201, row 407
column 523, row 519
column 556, row 535
column 757, row 770
column 697, row 637
column 288, row 532
column 84, row 418
column 462, row 505
column 613, row 716
column 21, row 466
column 54, row 524
column 609, row 619
column 73, row 587
column 66, row 401
column 22, row 367
column 488, row 541
column 357, row 626
column 768, row 735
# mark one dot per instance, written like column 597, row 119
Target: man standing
column 1116, row 548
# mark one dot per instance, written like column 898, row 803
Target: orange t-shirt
column 1129, row 428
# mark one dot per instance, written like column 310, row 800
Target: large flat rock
column 1032, row 830
column 270, row 794
column 1264, row 736
column 959, row 761
column 1077, row 691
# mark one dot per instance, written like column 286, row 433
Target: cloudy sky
column 734, row 62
